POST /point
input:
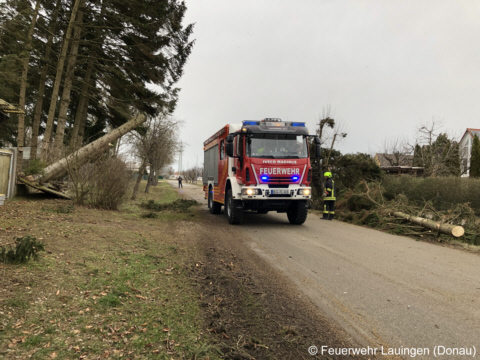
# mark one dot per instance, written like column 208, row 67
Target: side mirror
column 229, row 145
column 318, row 150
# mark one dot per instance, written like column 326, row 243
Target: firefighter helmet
column 328, row 174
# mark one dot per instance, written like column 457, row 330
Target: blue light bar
column 251, row 123
column 298, row 124
column 264, row 178
column 295, row 178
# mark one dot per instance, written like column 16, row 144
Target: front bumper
column 266, row 193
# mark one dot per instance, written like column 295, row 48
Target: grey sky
column 384, row 67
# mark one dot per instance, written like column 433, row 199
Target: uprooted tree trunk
column 59, row 169
column 448, row 229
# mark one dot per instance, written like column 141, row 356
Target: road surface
column 385, row 290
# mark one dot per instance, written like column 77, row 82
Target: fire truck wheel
column 297, row 212
column 214, row 207
column 233, row 209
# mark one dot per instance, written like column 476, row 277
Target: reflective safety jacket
column 330, row 190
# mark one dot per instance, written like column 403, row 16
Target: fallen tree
column 59, row 169
column 453, row 230
column 366, row 205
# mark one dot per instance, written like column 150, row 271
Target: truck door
column 222, row 170
column 239, row 161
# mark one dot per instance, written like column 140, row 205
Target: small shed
column 8, row 156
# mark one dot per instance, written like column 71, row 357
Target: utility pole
column 196, row 171
column 180, row 155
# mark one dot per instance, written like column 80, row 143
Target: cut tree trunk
column 453, row 230
column 59, row 169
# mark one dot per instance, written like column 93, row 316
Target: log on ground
column 453, row 230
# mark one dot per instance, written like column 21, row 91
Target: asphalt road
column 384, row 290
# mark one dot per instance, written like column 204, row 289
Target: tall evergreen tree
column 125, row 47
column 475, row 158
column 417, row 156
column 440, row 158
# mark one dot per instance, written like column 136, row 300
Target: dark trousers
column 180, row 184
column 328, row 209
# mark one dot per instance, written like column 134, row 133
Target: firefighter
column 180, row 185
column 329, row 197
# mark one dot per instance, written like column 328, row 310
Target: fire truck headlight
column 251, row 192
column 304, row 192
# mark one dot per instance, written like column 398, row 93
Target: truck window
column 277, row 146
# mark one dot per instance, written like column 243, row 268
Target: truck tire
column 214, row 207
column 233, row 209
column 297, row 212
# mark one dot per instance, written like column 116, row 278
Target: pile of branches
column 366, row 205
column 21, row 250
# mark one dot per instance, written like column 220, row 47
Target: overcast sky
column 384, row 67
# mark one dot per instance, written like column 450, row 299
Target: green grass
column 16, row 302
column 123, row 291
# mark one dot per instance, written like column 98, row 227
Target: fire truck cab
column 259, row 165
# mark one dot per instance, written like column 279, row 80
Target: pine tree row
column 82, row 67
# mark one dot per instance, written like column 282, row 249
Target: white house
column 465, row 146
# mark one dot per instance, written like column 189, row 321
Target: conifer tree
column 417, row 156
column 125, row 47
column 475, row 158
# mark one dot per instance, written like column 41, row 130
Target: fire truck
column 261, row 166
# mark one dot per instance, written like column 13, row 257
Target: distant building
column 465, row 146
column 398, row 159
column 397, row 164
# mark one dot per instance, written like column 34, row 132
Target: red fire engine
column 260, row 166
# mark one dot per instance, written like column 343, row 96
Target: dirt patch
column 252, row 312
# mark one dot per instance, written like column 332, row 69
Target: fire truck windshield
column 276, row 146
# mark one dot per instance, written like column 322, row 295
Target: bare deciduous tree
column 155, row 147
column 192, row 174
column 435, row 152
column 396, row 152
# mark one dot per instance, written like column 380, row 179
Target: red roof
column 472, row 133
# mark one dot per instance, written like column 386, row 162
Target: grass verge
column 113, row 284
